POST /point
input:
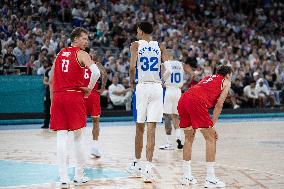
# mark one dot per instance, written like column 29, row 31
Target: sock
column 186, row 167
column 95, row 143
column 168, row 139
column 210, row 169
column 178, row 133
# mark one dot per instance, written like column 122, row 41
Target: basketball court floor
column 250, row 155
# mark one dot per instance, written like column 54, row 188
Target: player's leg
column 60, row 125
column 79, row 177
column 188, row 178
column 95, row 151
column 77, row 119
column 168, row 129
column 210, row 136
column 94, row 109
column 62, row 154
column 189, row 134
column 175, row 119
column 139, row 111
column 154, row 115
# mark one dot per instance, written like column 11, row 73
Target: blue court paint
column 17, row 173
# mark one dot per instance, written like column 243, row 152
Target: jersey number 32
column 149, row 63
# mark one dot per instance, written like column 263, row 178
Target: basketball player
column 193, row 111
column 93, row 105
column 68, row 112
column 146, row 56
column 172, row 95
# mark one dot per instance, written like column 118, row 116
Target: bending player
column 68, row 112
column 172, row 95
column 193, row 109
column 146, row 56
column 93, row 105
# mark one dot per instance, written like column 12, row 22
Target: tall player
column 93, row 105
column 193, row 111
column 172, row 95
column 68, row 112
column 146, row 56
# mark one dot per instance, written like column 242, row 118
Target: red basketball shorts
column 68, row 111
column 93, row 104
column 193, row 112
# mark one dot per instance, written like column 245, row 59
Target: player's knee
column 189, row 134
column 167, row 119
column 209, row 135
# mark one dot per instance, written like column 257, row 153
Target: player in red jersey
column 68, row 111
column 93, row 104
column 193, row 109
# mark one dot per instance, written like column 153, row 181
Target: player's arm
column 103, row 74
column 133, row 59
column 220, row 102
column 85, row 59
column 166, row 67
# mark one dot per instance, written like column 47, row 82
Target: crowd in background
column 248, row 35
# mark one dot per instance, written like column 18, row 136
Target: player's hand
column 86, row 91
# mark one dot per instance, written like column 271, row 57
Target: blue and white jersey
column 148, row 62
column 177, row 77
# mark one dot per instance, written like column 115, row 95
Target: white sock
column 186, row 167
column 95, row 143
column 178, row 133
column 210, row 169
column 168, row 140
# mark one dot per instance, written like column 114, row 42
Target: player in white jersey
column 146, row 64
column 171, row 97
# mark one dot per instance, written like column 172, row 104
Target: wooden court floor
column 250, row 155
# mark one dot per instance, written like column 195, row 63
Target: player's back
column 68, row 73
column 148, row 62
column 208, row 89
column 176, row 79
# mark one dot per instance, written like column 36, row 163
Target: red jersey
column 68, row 73
column 87, row 76
column 208, row 89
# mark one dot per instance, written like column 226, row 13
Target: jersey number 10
column 149, row 63
column 175, row 78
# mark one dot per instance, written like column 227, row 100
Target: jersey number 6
column 149, row 64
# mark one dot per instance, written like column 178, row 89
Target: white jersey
column 148, row 62
column 176, row 79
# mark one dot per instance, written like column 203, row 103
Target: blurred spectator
column 263, row 92
column 120, row 96
column 10, row 55
column 19, row 52
column 251, row 94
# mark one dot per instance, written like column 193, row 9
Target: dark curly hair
column 146, row 27
column 224, row 70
